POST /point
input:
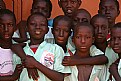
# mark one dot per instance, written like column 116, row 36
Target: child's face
column 37, row 26
column 41, row 7
column 109, row 9
column 83, row 39
column 7, row 25
column 116, row 39
column 61, row 32
column 69, row 6
column 81, row 17
column 101, row 29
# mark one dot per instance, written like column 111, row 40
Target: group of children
column 70, row 47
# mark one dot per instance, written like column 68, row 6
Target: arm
column 15, row 75
column 95, row 60
column 22, row 29
column 114, row 71
column 51, row 74
column 17, row 49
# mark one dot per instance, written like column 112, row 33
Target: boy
column 83, row 38
column 115, row 68
column 69, row 6
column 110, row 8
column 7, row 25
column 45, row 57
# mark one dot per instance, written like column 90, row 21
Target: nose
column 69, row 4
column 6, row 28
column 61, row 33
column 107, row 11
column 83, row 40
column 116, row 41
column 99, row 30
column 39, row 10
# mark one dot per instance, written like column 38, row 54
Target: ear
column 118, row 13
column 80, row 2
column 47, row 30
column 98, row 11
column 93, row 39
column 52, row 30
column 31, row 11
column 59, row 3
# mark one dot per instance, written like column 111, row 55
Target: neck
column 64, row 47
column 5, row 44
column 35, row 42
column 82, row 54
column 111, row 24
column 101, row 46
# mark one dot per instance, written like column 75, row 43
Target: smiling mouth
column 37, row 32
column 6, row 36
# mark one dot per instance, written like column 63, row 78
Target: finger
column 71, row 54
column 34, row 74
column 29, row 74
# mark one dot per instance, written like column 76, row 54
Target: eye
column 1, row 25
column 77, row 37
column 85, row 20
column 73, row 2
column 32, row 24
column 88, row 37
column 10, row 25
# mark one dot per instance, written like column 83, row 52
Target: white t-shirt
column 6, row 62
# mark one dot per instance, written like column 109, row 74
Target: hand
column 113, row 67
column 32, row 73
column 17, row 71
column 30, row 62
column 69, row 61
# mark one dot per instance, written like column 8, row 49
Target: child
column 81, row 15
column 100, row 24
column 83, row 38
column 45, row 57
column 69, row 6
column 7, row 25
column 2, row 4
column 42, row 6
column 61, row 31
column 110, row 8
column 115, row 68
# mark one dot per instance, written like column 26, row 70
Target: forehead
column 116, row 32
column 101, row 20
column 6, row 17
column 38, row 18
column 108, row 3
column 83, row 29
column 40, row 3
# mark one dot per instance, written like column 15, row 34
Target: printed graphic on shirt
column 47, row 59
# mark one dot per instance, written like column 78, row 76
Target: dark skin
column 109, row 9
column 38, row 38
column 115, row 44
column 15, row 75
column 39, row 6
column 7, row 25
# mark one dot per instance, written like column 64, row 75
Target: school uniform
column 50, row 55
column 97, row 73
column 119, row 70
column 112, row 57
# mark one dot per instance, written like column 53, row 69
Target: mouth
column 69, row 11
column 37, row 32
column 6, row 36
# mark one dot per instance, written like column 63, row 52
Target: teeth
column 83, row 47
column 37, row 32
column 69, row 11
